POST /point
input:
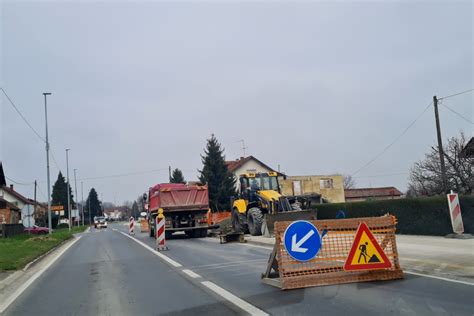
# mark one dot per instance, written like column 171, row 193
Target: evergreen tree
column 135, row 210
column 93, row 205
column 59, row 195
column 177, row 177
column 215, row 174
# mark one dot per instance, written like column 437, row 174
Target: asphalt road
column 107, row 273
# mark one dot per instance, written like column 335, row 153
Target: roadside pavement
column 437, row 256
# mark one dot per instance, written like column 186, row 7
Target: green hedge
column 416, row 216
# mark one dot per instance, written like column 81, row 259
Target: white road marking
column 438, row 278
column 162, row 256
column 237, row 301
column 191, row 273
column 24, row 286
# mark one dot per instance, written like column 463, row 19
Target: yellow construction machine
column 260, row 204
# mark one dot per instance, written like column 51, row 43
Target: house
column 13, row 203
column 364, row 194
column 468, row 150
column 9, row 212
column 247, row 165
column 330, row 187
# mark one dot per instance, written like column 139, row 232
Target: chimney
column 11, row 186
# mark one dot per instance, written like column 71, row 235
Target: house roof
column 2, row 176
column 468, row 150
column 9, row 205
column 372, row 192
column 16, row 194
column 233, row 165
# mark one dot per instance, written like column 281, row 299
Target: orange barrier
column 332, row 265
column 144, row 227
column 217, row 217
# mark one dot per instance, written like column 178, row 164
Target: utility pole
column 50, row 225
column 34, row 209
column 75, row 194
column 89, row 207
column 82, row 202
column 440, row 145
column 169, row 173
column 67, row 188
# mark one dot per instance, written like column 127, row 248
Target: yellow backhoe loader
column 260, row 204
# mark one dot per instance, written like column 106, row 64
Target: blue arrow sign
column 302, row 240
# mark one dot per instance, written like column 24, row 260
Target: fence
column 416, row 216
column 8, row 230
column 328, row 266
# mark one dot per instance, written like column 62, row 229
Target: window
column 326, row 184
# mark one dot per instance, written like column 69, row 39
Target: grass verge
column 17, row 251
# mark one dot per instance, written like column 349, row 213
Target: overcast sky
column 315, row 87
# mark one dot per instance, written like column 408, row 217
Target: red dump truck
column 185, row 208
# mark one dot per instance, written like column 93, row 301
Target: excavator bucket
column 270, row 219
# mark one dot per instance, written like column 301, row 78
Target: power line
column 23, row 117
column 453, row 95
column 394, row 141
column 41, row 192
column 54, row 160
column 458, row 114
column 20, row 183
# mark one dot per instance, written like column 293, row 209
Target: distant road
column 107, row 273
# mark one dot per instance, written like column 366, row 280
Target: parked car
column 37, row 230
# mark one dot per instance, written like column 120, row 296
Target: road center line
column 24, row 286
column 160, row 255
column 191, row 273
column 439, row 278
column 240, row 303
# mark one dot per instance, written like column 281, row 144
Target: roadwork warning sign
column 366, row 253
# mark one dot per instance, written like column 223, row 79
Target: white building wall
column 12, row 199
column 249, row 166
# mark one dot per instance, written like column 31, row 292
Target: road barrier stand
column 160, row 231
column 455, row 213
column 131, row 226
column 326, row 252
column 144, row 227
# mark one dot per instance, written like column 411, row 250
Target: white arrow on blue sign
column 302, row 240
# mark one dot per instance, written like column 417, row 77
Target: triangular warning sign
column 366, row 253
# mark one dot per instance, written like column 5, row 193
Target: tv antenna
column 243, row 146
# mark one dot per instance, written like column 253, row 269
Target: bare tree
column 425, row 175
column 349, row 182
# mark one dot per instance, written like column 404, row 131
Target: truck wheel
column 239, row 222
column 168, row 235
column 254, row 220
column 151, row 231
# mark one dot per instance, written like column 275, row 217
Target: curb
column 35, row 260
column 14, row 287
column 260, row 243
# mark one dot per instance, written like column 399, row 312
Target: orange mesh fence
column 217, row 217
column 328, row 266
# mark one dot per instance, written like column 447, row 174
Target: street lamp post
column 82, row 202
column 67, row 188
column 75, row 194
column 50, row 225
